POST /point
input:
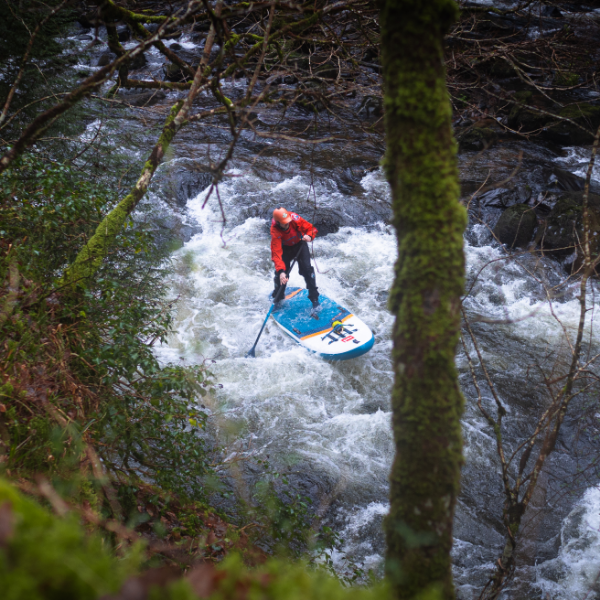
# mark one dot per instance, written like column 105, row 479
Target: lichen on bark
column 421, row 167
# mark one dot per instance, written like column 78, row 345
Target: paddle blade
column 251, row 352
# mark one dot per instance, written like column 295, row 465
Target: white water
column 575, row 573
column 332, row 420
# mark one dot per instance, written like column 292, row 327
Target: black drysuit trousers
column 304, row 267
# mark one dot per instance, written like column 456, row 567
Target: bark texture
column 427, row 404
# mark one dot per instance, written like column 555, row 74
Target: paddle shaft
column 275, row 299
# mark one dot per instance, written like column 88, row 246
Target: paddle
column 251, row 352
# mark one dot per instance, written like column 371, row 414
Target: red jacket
column 279, row 237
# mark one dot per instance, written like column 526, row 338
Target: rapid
column 326, row 425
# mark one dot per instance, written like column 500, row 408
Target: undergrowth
column 81, row 393
column 90, row 422
column 71, row 564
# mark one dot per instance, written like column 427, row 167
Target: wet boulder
column 562, row 231
column 106, row 58
column 477, row 137
column 323, row 65
column 138, row 61
column 174, row 73
column 504, row 197
column 516, row 226
column 298, row 61
column 584, row 115
column 143, row 98
column 584, row 119
column 524, row 119
column 371, row 106
column 181, row 180
column 88, row 20
column 281, row 77
column 123, row 33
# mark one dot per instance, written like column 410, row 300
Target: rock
column 174, row 73
column 123, row 33
column 328, row 218
column 540, row 9
column 516, row 225
column 477, row 138
column 88, row 20
column 106, row 59
column 152, row 27
column 202, row 26
column 498, row 198
column 564, row 181
column 327, row 71
column 137, row 62
column 526, row 120
column 298, row 61
column 497, row 67
column 583, row 114
column 145, row 98
column 348, row 180
column 311, row 99
column 182, row 180
column 281, row 77
column 371, row 106
column 562, row 231
column 568, row 134
column 322, row 65
column 566, row 78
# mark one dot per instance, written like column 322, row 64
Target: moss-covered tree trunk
column 427, row 403
column 93, row 253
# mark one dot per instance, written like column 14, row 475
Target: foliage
column 277, row 580
column 19, row 19
column 78, row 369
column 42, row 556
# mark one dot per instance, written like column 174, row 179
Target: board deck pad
column 332, row 331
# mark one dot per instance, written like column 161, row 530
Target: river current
column 326, row 425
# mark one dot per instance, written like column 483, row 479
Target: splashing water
column 329, row 422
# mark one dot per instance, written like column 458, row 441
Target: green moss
column 581, row 111
column 278, row 580
column 420, row 165
column 566, row 78
column 50, row 557
column 91, row 256
column 43, row 557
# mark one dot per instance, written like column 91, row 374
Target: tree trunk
column 90, row 257
column 427, row 404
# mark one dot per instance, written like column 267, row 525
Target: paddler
column 288, row 232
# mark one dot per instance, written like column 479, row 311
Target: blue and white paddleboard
column 332, row 331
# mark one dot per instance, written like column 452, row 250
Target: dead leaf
column 205, row 579
column 137, row 588
column 211, row 539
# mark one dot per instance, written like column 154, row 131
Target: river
column 327, row 424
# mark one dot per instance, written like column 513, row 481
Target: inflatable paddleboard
column 332, row 331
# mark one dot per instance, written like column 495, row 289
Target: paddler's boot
column 311, row 286
column 277, row 292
